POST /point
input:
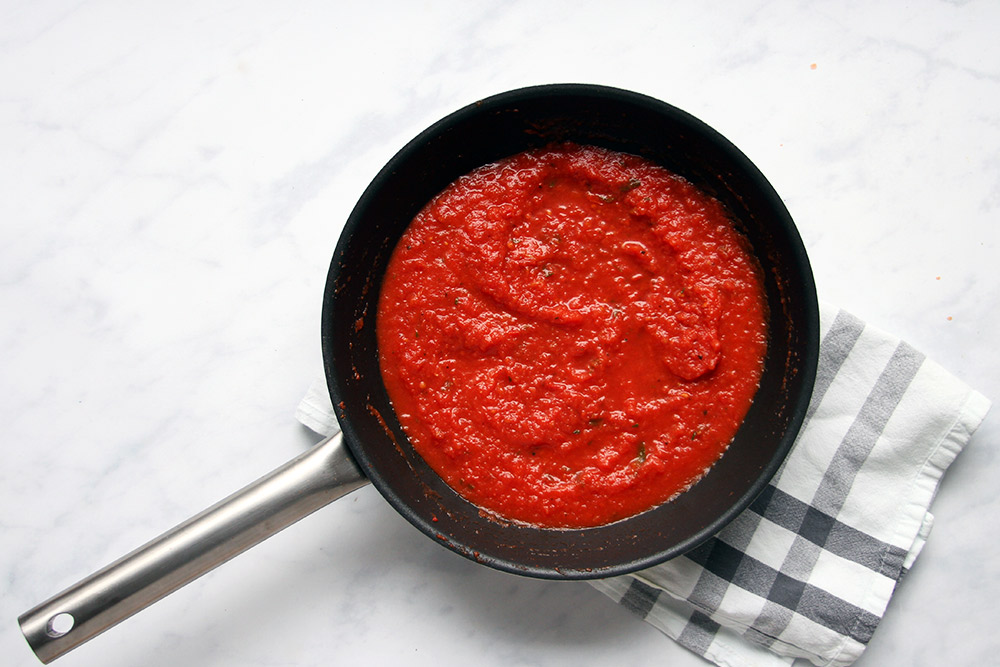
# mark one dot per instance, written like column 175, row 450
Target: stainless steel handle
column 303, row 485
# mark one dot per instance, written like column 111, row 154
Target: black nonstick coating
column 501, row 126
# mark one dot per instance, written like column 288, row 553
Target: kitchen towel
column 808, row 569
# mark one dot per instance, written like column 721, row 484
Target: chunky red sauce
column 571, row 336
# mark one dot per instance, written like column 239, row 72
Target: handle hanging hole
column 59, row 625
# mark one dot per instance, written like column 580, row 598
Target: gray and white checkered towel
column 808, row 569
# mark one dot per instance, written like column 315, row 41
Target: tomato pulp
column 571, row 336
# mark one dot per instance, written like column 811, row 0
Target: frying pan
column 372, row 446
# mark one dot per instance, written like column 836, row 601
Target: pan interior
column 502, row 126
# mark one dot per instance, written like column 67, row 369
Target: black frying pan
column 501, row 126
column 379, row 450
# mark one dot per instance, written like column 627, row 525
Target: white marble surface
column 174, row 177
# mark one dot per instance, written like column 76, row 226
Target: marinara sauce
column 571, row 336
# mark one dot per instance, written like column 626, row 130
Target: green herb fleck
column 632, row 184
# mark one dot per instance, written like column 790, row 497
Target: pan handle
column 303, row 485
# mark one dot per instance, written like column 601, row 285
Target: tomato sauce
column 571, row 336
